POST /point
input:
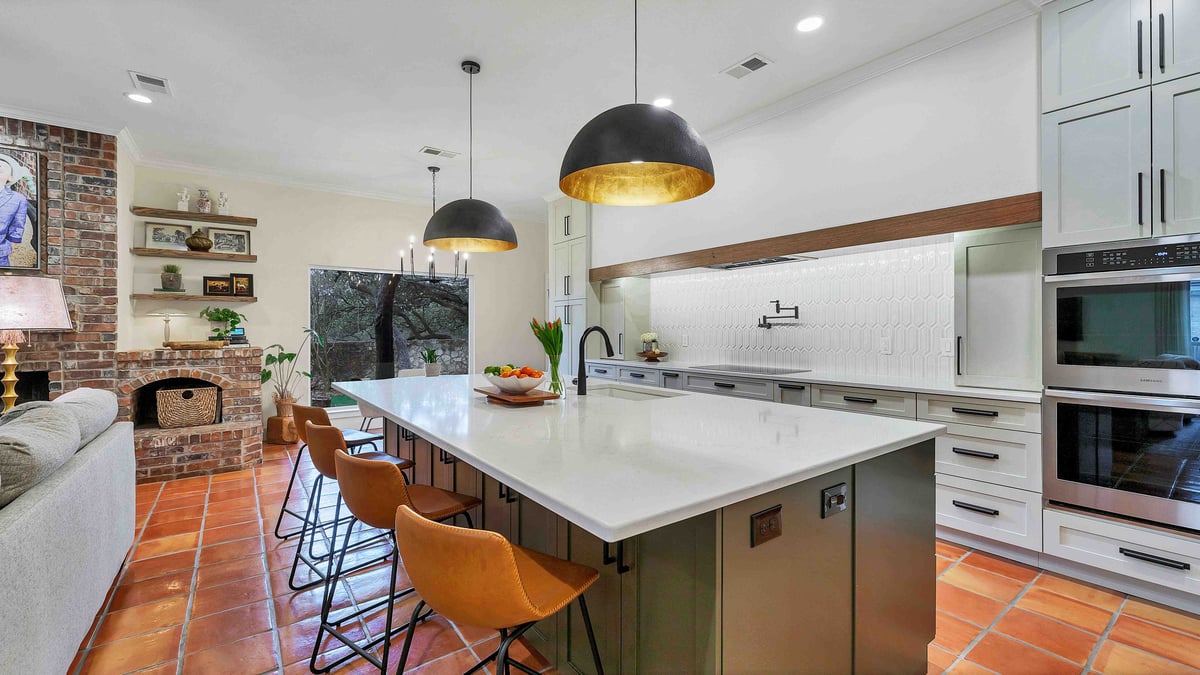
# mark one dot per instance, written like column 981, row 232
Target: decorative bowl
column 652, row 357
column 515, row 385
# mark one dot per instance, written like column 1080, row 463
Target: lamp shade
column 636, row 155
column 470, row 225
column 33, row 303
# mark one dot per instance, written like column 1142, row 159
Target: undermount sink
column 627, row 393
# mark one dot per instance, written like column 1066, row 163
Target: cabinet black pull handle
column 670, row 374
column 1162, row 195
column 608, row 558
column 1162, row 42
column 568, row 321
column 602, row 371
column 958, row 355
column 975, row 411
column 1140, row 217
column 1157, row 560
column 637, row 375
column 566, row 280
column 974, row 453
column 511, row 496
column 1139, row 49
column 860, row 399
column 622, row 568
column 724, row 385
column 621, row 344
column 977, row 509
column 500, row 491
column 566, row 226
column 793, row 387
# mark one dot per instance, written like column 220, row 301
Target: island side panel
column 894, row 538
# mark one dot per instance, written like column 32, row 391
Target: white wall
column 956, row 127
column 300, row 228
column 847, row 303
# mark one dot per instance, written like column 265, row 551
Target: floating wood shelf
column 149, row 212
column 195, row 255
column 191, row 298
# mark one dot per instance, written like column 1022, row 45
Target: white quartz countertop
column 619, row 468
column 818, row 377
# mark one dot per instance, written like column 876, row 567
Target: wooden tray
column 194, row 344
column 534, row 397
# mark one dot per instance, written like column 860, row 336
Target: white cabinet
column 793, row 393
column 873, row 401
column 573, row 315
column 1092, row 49
column 1096, row 171
column 991, row 511
column 569, row 269
column 1177, row 154
column 569, row 219
column 997, row 308
column 1176, row 49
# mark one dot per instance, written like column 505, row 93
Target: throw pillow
column 35, row 440
column 93, row 409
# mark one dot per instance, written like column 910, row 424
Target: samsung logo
column 1148, row 379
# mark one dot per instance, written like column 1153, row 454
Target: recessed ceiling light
column 140, row 98
column 663, row 101
column 810, row 24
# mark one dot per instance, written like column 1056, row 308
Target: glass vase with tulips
column 550, row 334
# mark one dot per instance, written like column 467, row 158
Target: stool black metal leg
column 503, row 663
column 287, row 495
column 309, row 517
column 587, row 624
column 332, row 575
column 387, row 641
column 408, row 638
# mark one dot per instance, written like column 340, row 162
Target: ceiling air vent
column 438, row 152
column 773, row 260
column 151, row 83
column 747, row 65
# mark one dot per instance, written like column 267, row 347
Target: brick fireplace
column 232, row 441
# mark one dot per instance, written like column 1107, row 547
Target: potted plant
column 172, row 280
column 280, row 369
column 432, row 367
column 222, row 321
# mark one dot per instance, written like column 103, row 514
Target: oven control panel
column 1133, row 258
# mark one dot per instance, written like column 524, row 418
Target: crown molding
column 968, row 30
column 126, row 140
column 43, row 117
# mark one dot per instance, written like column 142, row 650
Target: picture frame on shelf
column 229, row 241
column 243, row 284
column 168, row 236
column 218, row 286
column 21, row 221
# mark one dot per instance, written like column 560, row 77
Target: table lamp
column 27, row 304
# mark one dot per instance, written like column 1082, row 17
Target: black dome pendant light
column 636, row 155
column 470, row 224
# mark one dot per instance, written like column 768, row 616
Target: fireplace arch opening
column 145, row 408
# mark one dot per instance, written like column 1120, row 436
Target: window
column 376, row 324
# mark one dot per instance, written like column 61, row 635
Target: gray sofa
column 63, row 541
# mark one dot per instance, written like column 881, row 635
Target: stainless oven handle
column 1127, row 400
column 1161, row 275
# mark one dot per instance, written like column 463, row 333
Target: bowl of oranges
column 513, row 380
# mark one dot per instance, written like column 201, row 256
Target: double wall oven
column 1122, row 375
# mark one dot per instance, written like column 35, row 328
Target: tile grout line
column 988, row 629
column 262, row 540
column 187, row 614
column 1104, row 635
column 103, row 613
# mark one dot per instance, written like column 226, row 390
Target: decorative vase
column 222, row 204
column 556, row 386
column 172, row 281
column 433, row 369
column 203, row 203
column 199, row 241
column 283, row 405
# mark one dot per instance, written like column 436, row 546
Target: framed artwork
column 168, row 236
column 218, row 286
column 243, row 284
column 229, row 241
column 20, row 204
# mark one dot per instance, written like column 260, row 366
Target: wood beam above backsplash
column 1015, row 210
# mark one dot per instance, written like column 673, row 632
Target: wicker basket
column 186, row 407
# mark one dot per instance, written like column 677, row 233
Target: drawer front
column 729, row 386
column 793, row 394
column 1158, row 557
column 1012, row 458
column 980, row 412
column 645, row 376
column 609, row 372
column 671, row 379
column 874, row 401
column 992, row 511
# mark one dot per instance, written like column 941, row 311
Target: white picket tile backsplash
column 847, row 304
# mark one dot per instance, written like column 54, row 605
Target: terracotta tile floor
column 205, row 591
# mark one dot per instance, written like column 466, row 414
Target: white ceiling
column 342, row 94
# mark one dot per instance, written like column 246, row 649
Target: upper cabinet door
column 1094, row 48
column 560, row 271
column 1177, row 156
column 1176, row 43
column 579, row 220
column 577, row 272
column 568, row 219
column 1096, row 171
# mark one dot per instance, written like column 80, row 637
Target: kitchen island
column 732, row 535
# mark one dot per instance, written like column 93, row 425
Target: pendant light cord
column 635, row 51
column 471, row 136
column 434, row 175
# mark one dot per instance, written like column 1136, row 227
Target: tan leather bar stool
column 373, row 490
column 478, row 578
column 321, row 449
column 355, row 439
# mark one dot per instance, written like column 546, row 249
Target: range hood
column 773, row 260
